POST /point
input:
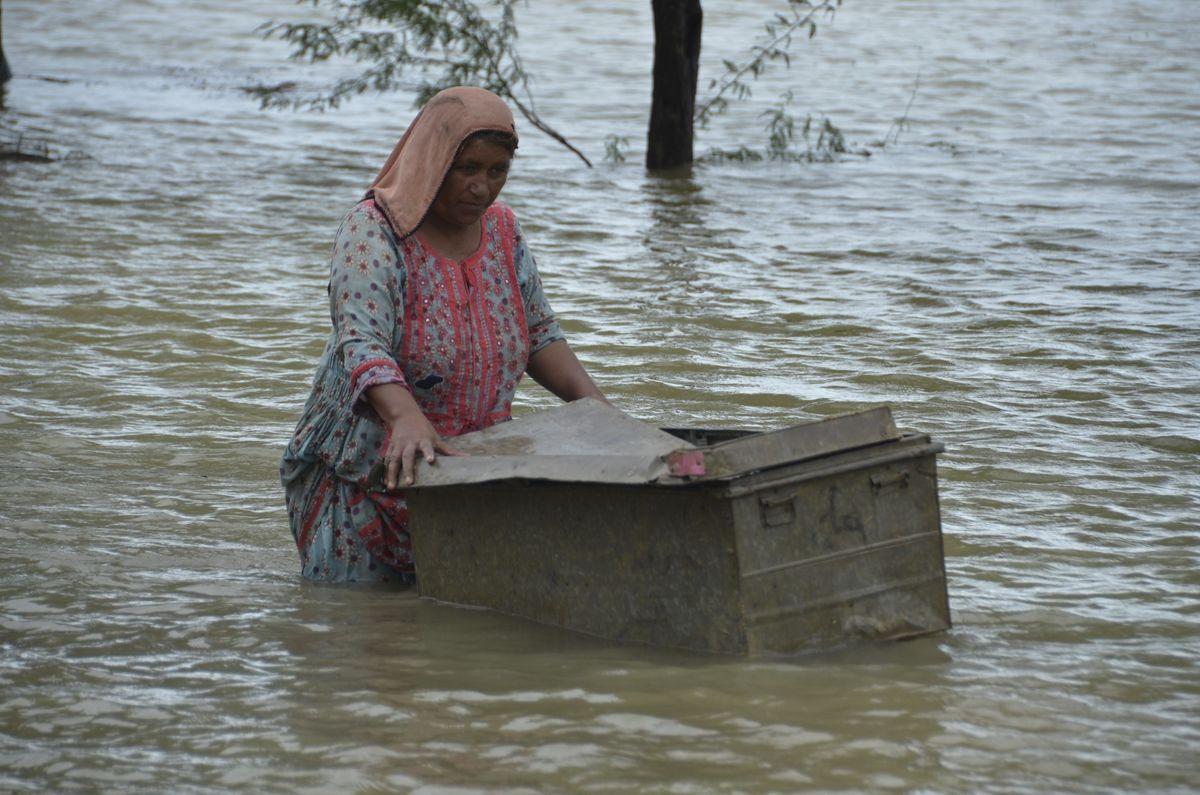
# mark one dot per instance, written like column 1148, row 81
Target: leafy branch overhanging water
column 428, row 45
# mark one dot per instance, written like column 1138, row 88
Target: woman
column 437, row 312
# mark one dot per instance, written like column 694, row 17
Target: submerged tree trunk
column 5, row 72
column 676, row 69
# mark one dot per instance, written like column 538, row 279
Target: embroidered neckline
column 485, row 234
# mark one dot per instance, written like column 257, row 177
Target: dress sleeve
column 539, row 317
column 366, row 304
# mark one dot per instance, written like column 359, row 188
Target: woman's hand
column 409, row 434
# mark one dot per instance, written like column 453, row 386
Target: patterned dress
column 457, row 334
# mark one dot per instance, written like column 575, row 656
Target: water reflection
column 512, row 702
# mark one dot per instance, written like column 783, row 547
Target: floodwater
column 1018, row 274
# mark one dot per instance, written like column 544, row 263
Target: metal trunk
column 768, row 543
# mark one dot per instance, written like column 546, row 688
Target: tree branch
column 734, row 73
column 472, row 49
column 526, row 111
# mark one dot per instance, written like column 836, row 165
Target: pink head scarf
column 413, row 173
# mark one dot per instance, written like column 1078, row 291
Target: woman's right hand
column 409, row 434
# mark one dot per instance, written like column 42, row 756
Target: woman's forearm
column 392, row 401
column 557, row 369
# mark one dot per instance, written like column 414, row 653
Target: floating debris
column 46, row 78
column 23, row 149
column 262, row 91
column 18, row 147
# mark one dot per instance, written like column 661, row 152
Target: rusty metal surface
column 777, row 558
column 854, row 553
column 630, row 563
column 586, row 441
column 592, row 442
column 800, row 442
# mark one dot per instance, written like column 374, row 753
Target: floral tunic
column 457, row 334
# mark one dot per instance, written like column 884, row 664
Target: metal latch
column 777, row 511
column 898, row 479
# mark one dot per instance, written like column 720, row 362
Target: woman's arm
column 366, row 302
column 366, row 292
column 552, row 363
column 556, row 367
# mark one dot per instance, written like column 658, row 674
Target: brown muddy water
column 1018, row 275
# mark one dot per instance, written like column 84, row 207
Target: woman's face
column 474, row 182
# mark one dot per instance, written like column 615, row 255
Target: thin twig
column 532, row 117
column 732, row 79
column 902, row 122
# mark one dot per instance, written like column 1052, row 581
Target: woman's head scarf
column 413, row 173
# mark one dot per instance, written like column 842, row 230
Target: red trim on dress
column 318, row 503
column 370, row 364
column 517, row 298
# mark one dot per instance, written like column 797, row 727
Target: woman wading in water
column 437, row 312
